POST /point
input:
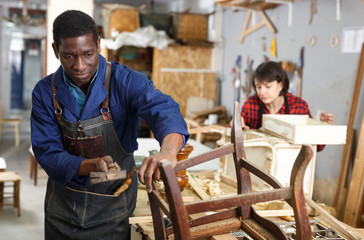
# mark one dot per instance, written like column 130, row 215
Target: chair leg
column 33, row 169
column 1, row 193
column 17, row 196
column 303, row 228
column 17, row 134
column 35, row 172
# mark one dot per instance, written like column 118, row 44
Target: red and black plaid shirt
column 250, row 110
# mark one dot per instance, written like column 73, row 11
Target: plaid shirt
column 250, row 110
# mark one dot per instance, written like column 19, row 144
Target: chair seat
column 13, row 120
column 9, row 177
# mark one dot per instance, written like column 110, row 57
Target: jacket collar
column 97, row 95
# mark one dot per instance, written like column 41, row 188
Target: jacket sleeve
column 47, row 138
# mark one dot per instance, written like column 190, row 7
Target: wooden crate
column 123, row 20
column 300, row 129
column 192, row 27
column 275, row 156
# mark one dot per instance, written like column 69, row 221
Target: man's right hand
column 100, row 164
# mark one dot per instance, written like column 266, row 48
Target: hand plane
column 113, row 173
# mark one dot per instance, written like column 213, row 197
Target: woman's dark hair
column 268, row 72
column 73, row 23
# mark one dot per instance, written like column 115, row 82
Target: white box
column 300, row 129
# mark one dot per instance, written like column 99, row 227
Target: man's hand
column 100, row 164
column 148, row 171
column 329, row 118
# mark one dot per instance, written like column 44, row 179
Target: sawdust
column 211, row 187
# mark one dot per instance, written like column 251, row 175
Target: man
column 86, row 118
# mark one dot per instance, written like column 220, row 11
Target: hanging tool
column 273, row 47
column 247, row 83
column 236, row 78
column 300, row 73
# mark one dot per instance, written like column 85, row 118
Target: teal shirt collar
column 77, row 93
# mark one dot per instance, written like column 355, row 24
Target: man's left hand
column 148, row 171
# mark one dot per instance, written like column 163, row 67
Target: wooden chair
column 12, row 124
column 232, row 212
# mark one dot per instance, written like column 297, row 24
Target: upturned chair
column 233, row 213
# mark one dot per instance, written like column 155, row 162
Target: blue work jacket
column 132, row 96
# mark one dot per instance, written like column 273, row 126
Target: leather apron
column 92, row 211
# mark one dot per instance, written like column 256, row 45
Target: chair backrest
column 233, row 212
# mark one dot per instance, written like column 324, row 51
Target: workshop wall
column 328, row 74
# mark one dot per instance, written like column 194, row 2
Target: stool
column 33, row 166
column 15, row 179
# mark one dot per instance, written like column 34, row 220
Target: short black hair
column 268, row 72
column 73, row 23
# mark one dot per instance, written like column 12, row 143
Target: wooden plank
column 355, row 192
column 344, row 167
column 226, row 236
column 182, row 85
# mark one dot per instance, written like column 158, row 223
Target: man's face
column 79, row 57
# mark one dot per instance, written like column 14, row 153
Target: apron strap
column 57, row 109
column 105, row 104
column 261, row 109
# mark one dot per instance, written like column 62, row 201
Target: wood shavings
column 209, row 186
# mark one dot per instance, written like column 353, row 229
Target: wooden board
column 341, row 190
column 182, row 85
column 300, row 129
column 355, row 194
column 182, row 71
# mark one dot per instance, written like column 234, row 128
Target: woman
column 271, row 84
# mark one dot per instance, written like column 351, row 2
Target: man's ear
column 98, row 45
column 55, row 50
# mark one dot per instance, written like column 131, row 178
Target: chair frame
column 235, row 212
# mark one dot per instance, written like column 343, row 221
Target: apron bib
column 261, row 111
column 91, row 211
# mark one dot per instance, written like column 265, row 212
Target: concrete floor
column 30, row 224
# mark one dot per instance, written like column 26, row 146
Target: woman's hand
column 243, row 126
column 329, row 118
